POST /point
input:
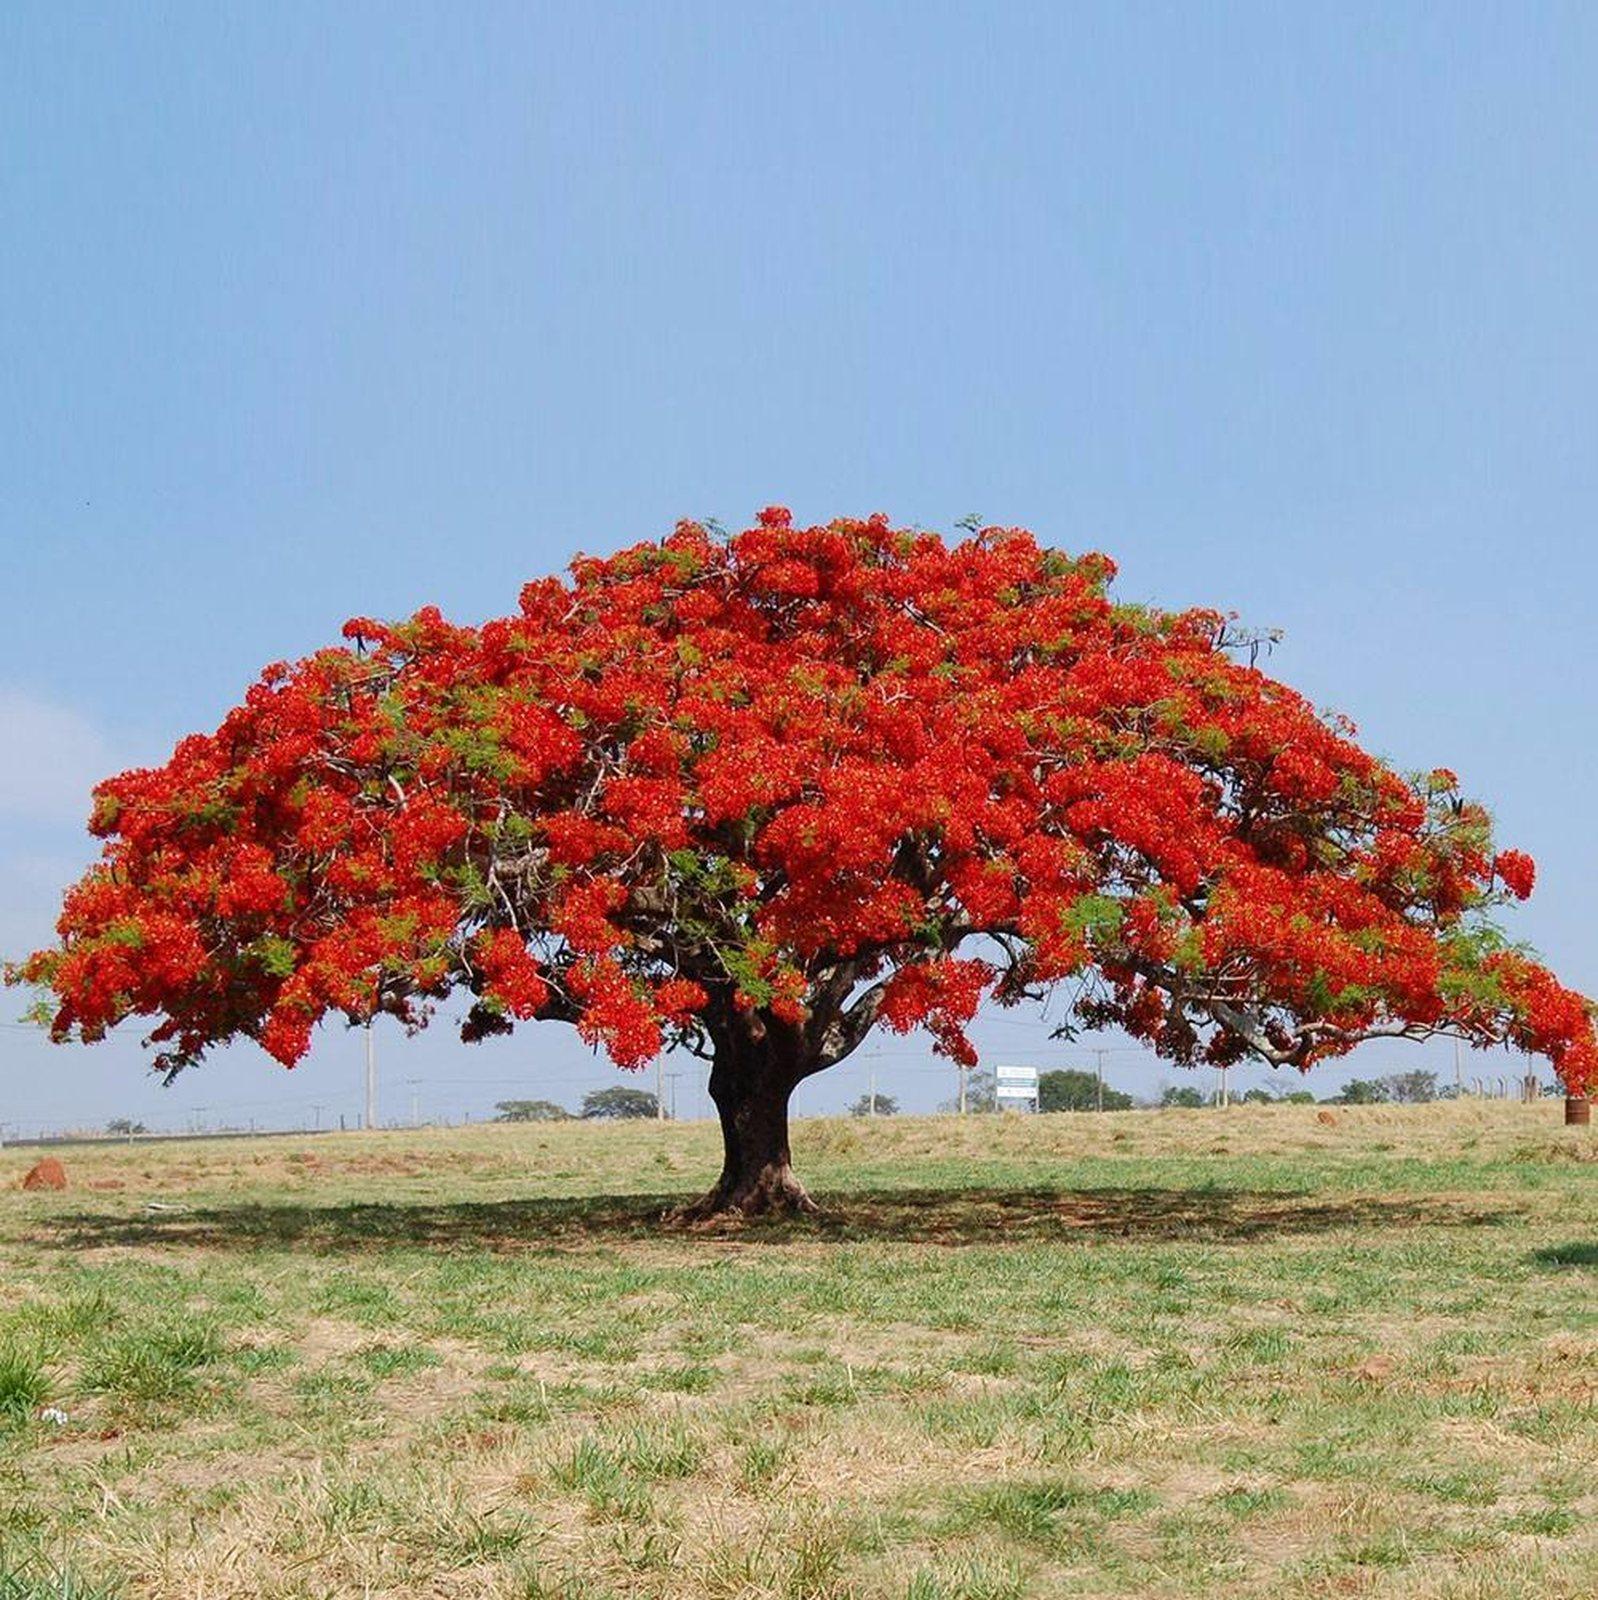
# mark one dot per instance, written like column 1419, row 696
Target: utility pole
column 317, row 1113
column 962, row 1073
column 871, row 1086
column 671, row 1089
column 1098, row 1059
column 371, row 1079
column 1459, row 1082
column 660, row 1102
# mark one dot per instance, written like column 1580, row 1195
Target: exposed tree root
column 772, row 1191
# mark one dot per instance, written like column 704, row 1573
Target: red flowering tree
column 754, row 796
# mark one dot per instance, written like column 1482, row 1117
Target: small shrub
column 23, row 1387
column 148, row 1368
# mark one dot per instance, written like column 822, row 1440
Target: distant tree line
column 1397, row 1088
column 531, row 1111
column 1060, row 1089
column 1072, row 1089
column 618, row 1103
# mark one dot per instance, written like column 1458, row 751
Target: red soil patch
column 107, row 1183
column 47, row 1174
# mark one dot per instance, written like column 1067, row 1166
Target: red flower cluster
column 513, row 978
column 798, row 780
column 940, row 996
column 1517, row 870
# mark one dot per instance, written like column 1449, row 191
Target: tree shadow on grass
column 950, row 1217
column 1577, row 1253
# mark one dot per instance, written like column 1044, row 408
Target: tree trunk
column 751, row 1079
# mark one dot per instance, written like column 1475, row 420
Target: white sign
column 1015, row 1083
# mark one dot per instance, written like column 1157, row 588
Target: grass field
column 1208, row 1353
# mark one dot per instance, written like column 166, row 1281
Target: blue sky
column 310, row 311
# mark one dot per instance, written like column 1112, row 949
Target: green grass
column 1069, row 1355
column 40, row 1579
column 23, row 1387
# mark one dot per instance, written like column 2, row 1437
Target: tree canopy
column 530, row 1111
column 619, row 1103
column 878, row 1105
column 1404, row 1088
column 1072, row 1089
column 756, row 795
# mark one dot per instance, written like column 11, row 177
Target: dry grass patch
column 1052, row 1356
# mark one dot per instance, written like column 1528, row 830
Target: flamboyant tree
column 755, row 795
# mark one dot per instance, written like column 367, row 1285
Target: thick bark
column 752, row 1076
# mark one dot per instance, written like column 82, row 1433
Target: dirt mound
column 47, row 1174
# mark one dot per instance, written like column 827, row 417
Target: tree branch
column 844, row 1032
